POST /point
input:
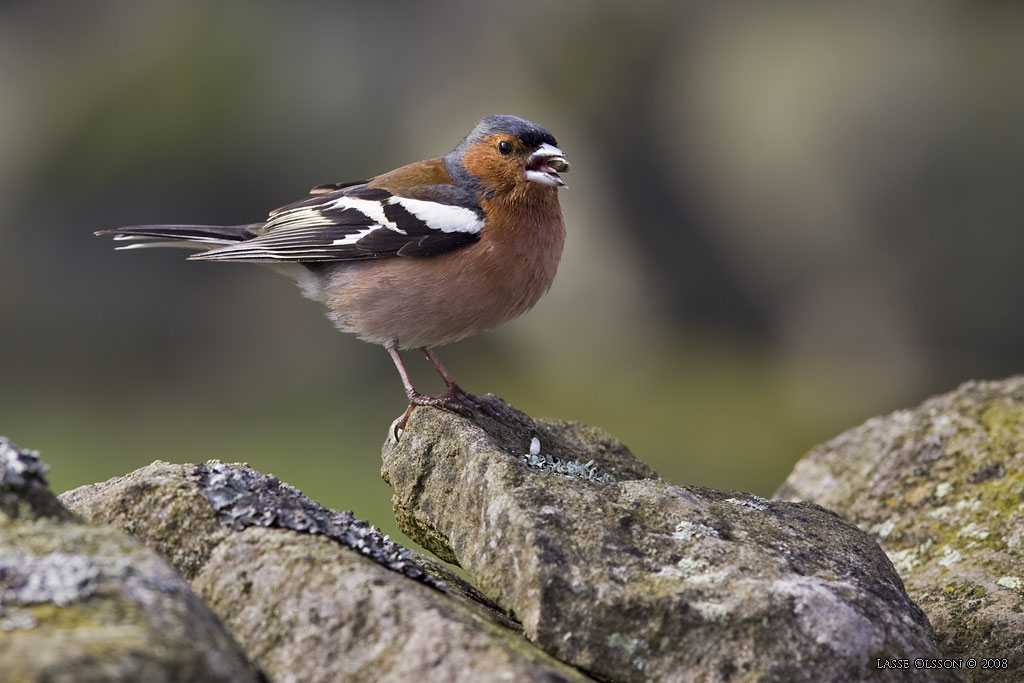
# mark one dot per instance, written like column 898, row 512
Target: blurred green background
column 783, row 218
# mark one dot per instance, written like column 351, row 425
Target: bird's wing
column 415, row 212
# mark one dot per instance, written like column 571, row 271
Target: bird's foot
column 456, row 400
column 473, row 401
column 450, row 401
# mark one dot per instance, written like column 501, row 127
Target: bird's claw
column 398, row 426
column 477, row 403
column 455, row 400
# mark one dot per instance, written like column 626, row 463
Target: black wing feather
column 323, row 228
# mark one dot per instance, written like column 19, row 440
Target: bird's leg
column 454, row 390
column 448, row 401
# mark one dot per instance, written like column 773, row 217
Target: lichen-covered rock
column 641, row 580
column 314, row 594
column 80, row 602
column 23, row 489
column 942, row 489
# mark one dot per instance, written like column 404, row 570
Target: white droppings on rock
column 943, row 489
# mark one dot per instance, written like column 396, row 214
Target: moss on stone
column 326, row 597
column 639, row 579
column 87, row 603
column 942, row 488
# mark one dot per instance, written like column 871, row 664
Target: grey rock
column 23, row 488
column 642, row 580
column 21, row 469
column 81, row 603
column 58, row 578
column 244, row 497
column 314, row 594
column 941, row 487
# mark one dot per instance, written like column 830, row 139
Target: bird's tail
column 189, row 236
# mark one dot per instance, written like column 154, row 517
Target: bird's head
column 503, row 153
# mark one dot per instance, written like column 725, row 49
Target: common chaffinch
column 424, row 255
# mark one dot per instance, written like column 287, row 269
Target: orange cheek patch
column 495, row 171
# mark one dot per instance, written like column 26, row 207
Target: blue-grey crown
column 468, row 184
column 530, row 133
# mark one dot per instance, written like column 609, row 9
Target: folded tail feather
column 190, row 236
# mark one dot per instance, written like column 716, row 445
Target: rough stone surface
column 310, row 593
column 81, row 603
column 244, row 497
column 513, row 434
column 942, row 489
column 642, row 580
column 23, row 489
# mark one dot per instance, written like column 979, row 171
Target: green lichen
column 964, row 590
column 966, row 518
column 942, row 488
column 1002, row 419
column 94, row 612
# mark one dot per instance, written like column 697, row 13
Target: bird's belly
column 435, row 301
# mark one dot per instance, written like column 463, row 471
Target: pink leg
column 410, row 390
column 441, row 370
column 450, row 400
column 454, row 390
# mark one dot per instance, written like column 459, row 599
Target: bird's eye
column 505, row 147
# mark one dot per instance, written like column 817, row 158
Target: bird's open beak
column 544, row 165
